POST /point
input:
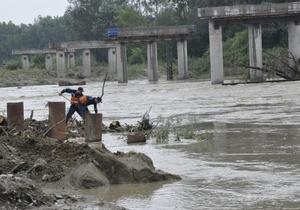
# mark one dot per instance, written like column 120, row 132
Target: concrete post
column 60, row 64
column 152, row 61
column 182, row 59
column 93, row 127
column 25, row 62
column 216, row 53
column 49, row 62
column 86, row 61
column 294, row 39
column 57, row 121
column 71, row 60
column 112, row 62
column 122, row 63
column 255, row 51
column 15, row 115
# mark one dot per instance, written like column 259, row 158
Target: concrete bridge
column 253, row 16
column 65, row 56
column 117, row 56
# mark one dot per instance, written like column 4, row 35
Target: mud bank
column 32, row 161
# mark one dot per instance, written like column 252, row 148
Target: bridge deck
column 259, row 12
column 154, row 33
column 33, row 51
column 78, row 45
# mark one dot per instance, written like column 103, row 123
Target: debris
column 136, row 138
column 68, row 83
column 3, row 121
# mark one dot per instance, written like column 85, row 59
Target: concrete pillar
column 93, row 127
column 216, row 53
column 57, row 121
column 255, row 51
column 152, row 61
column 182, row 59
column 294, row 39
column 15, row 115
column 122, row 63
column 112, row 62
column 71, row 60
column 86, row 61
column 25, row 62
column 60, row 64
column 49, row 62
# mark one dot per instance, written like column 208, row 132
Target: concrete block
column 57, row 123
column 93, row 127
column 15, row 115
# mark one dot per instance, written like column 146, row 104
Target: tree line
column 89, row 19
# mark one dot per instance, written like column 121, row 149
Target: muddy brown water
column 250, row 160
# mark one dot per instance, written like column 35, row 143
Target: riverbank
column 30, row 77
column 30, row 161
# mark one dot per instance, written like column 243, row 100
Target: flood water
column 249, row 160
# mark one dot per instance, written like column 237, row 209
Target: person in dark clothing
column 76, row 106
column 80, row 102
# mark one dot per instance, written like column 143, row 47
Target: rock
column 37, row 168
column 88, row 176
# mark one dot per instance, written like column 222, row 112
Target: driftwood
column 68, row 83
column 285, row 66
column 136, row 138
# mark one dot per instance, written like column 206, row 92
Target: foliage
column 128, row 17
column 136, row 70
column 136, row 56
column 13, row 64
column 38, row 61
column 236, row 50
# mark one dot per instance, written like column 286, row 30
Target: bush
column 38, row 61
column 136, row 56
column 13, row 65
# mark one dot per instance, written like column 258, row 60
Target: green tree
column 129, row 17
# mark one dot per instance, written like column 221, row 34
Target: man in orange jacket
column 80, row 102
column 75, row 102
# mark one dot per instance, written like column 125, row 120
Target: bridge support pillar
column 122, row 63
column 294, row 39
column 86, row 61
column 216, row 53
column 182, row 59
column 60, row 64
column 49, row 62
column 25, row 62
column 152, row 61
column 71, row 60
column 255, row 51
column 112, row 63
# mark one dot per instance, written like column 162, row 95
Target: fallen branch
column 53, row 126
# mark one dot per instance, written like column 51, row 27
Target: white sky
column 25, row 11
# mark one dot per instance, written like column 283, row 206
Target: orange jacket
column 75, row 100
column 83, row 100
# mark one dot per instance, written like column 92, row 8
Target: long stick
column 103, row 85
column 53, row 126
column 63, row 96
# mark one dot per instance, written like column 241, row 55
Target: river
column 249, row 160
